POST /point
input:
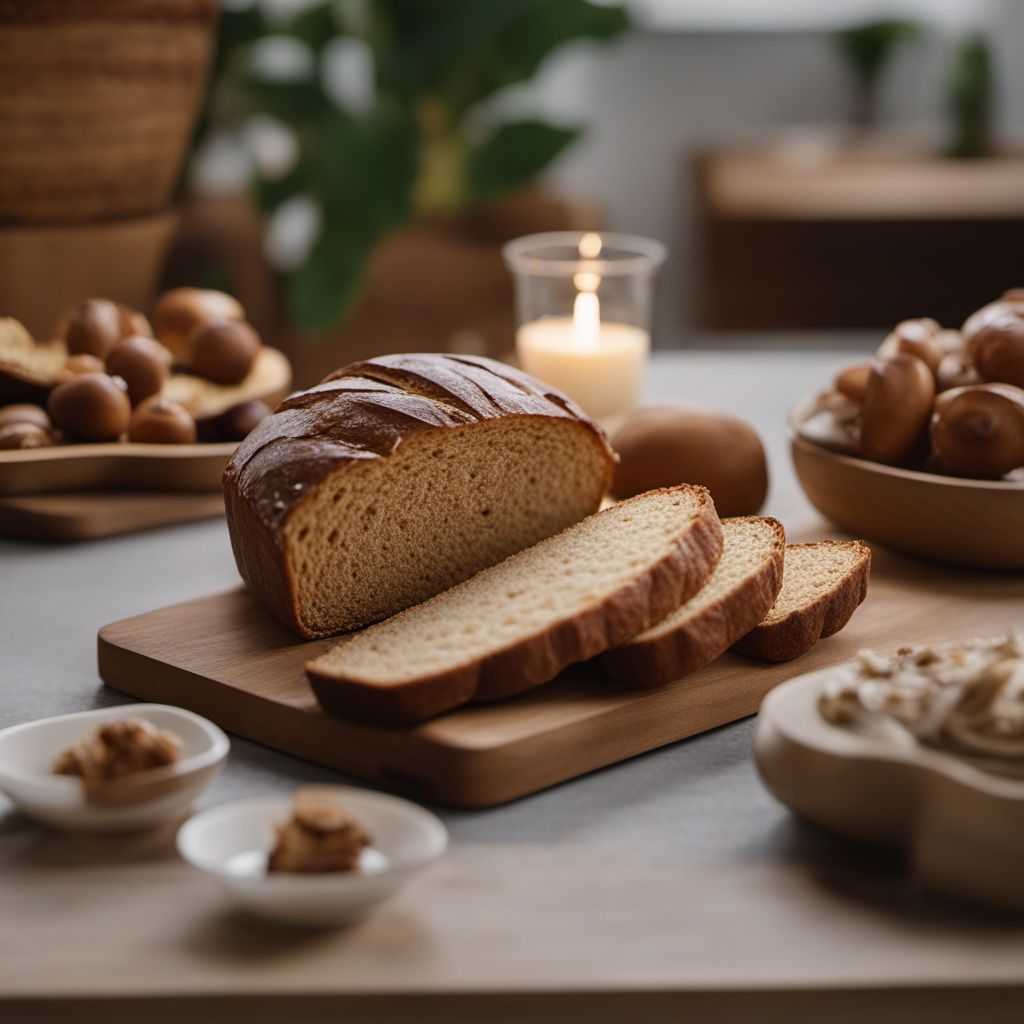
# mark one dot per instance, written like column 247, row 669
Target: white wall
column 654, row 98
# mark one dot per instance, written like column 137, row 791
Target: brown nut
column 143, row 364
column 157, row 421
column 997, row 349
column 660, row 447
column 180, row 311
column 896, row 409
column 956, row 371
column 15, row 436
column 82, row 363
column 1011, row 301
column 24, row 413
column 224, row 351
column 91, row 407
column 240, row 420
column 852, row 381
column 134, row 322
column 921, row 337
column 833, row 423
column 978, row 431
column 95, row 326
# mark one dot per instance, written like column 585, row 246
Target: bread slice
column 822, row 585
column 399, row 477
column 519, row 623
column 737, row 596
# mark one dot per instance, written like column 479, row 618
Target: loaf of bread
column 519, row 623
column 400, row 477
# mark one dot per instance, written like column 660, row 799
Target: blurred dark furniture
column 833, row 237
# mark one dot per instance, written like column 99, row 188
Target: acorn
column 84, row 362
column 143, row 364
column 94, row 326
column 16, row 436
column 224, row 351
column 180, row 311
column 91, row 407
column 159, row 421
column 25, row 413
column 240, row 420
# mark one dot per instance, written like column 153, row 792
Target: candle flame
column 590, row 246
column 586, row 309
column 586, row 319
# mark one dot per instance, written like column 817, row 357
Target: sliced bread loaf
column 519, row 623
column 822, row 585
column 399, row 477
column 737, row 596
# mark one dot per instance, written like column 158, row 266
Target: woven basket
column 99, row 100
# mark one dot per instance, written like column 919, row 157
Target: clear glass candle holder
column 583, row 305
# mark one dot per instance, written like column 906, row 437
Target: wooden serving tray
column 74, row 517
column 121, row 466
column 223, row 656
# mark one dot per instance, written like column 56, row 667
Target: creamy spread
column 965, row 699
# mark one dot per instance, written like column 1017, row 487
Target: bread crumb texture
column 555, row 580
column 747, row 544
column 811, row 571
column 387, row 533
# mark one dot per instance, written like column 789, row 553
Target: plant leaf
column 361, row 172
column 464, row 50
column 364, row 168
column 316, row 26
column 321, row 289
column 513, row 154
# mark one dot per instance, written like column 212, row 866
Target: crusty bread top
column 365, row 410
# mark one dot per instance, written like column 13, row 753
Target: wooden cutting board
column 74, row 517
column 224, row 657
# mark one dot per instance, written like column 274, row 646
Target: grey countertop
column 697, row 804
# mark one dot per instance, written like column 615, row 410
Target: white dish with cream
column 143, row 800
column 232, row 843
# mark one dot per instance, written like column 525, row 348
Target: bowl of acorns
column 119, row 401
column 921, row 448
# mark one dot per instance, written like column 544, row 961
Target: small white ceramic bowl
column 140, row 801
column 232, row 842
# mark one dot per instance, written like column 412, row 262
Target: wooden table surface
column 670, row 886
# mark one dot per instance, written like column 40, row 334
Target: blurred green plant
column 867, row 50
column 419, row 148
column 971, row 92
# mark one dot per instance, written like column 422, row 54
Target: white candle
column 599, row 365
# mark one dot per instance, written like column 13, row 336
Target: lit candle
column 599, row 364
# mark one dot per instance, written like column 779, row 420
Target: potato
column 662, row 446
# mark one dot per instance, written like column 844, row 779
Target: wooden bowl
column 99, row 100
column 977, row 523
